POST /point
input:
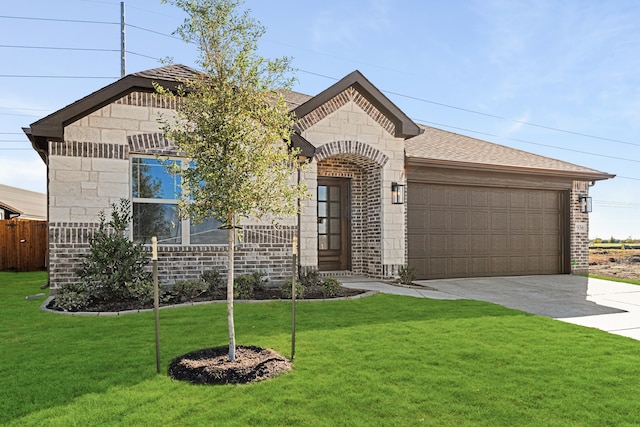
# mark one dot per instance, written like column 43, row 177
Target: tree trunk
column 232, row 332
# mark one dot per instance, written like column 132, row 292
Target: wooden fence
column 23, row 245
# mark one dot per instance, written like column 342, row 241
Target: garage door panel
column 479, row 266
column 479, row 244
column 459, row 266
column 460, row 244
column 439, row 267
column 479, row 220
column 499, row 220
column 517, row 221
column 459, row 220
column 474, row 231
column 438, row 219
column 499, row 243
column 438, row 243
column 535, row 222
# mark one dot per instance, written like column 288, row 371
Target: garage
column 475, row 231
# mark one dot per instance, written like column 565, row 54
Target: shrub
column 407, row 274
column 113, row 259
column 245, row 285
column 310, row 278
column 188, row 290
column 331, row 288
column 213, row 279
column 141, row 291
column 285, row 290
column 71, row 297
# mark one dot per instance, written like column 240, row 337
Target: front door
column 334, row 220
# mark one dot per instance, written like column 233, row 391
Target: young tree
column 232, row 121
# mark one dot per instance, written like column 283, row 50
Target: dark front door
column 333, row 224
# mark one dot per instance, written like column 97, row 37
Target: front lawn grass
column 381, row 360
column 616, row 279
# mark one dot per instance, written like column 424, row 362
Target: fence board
column 23, row 245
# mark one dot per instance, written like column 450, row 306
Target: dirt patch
column 212, row 366
column 615, row 263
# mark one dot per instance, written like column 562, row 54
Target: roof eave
column 574, row 175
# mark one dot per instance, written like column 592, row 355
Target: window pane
column 334, row 242
column 152, row 219
column 322, row 226
column 207, row 232
column 334, row 193
column 322, row 243
column 152, row 180
column 322, row 209
column 334, row 210
column 334, row 226
column 322, row 193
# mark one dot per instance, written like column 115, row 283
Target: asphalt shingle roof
column 438, row 145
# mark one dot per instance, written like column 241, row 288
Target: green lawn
column 377, row 361
column 615, row 279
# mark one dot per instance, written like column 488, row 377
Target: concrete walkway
column 609, row 306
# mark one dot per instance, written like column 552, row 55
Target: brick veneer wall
column 579, row 240
column 366, row 232
column 263, row 248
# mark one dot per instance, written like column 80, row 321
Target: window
column 155, row 193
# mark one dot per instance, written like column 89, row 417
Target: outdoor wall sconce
column 585, row 203
column 397, row 193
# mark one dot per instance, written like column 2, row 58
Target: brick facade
column 579, row 229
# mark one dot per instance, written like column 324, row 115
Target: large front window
column 155, row 193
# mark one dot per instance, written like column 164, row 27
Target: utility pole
column 123, row 59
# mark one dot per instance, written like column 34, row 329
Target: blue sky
column 556, row 78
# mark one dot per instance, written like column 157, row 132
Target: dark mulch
column 212, row 366
column 266, row 293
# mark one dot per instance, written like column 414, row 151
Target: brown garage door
column 462, row 231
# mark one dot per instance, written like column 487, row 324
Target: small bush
column 331, row 288
column 188, row 290
column 407, row 274
column 213, row 279
column 71, row 297
column 310, row 278
column 245, row 285
column 141, row 291
column 286, row 290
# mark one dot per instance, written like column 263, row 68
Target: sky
column 556, row 78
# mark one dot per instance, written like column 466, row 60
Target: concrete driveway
column 610, row 306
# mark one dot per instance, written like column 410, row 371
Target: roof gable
column 52, row 126
column 355, row 87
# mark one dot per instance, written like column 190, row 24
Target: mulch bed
column 266, row 293
column 212, row 366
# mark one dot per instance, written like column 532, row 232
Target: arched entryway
column 349, row 197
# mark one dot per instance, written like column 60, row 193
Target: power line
column 153, row 32
column 467, row 110
column 20, row 76
column 58, row 48
column 77, row 21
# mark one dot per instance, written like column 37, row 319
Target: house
column 387, row 192
column 23, row 204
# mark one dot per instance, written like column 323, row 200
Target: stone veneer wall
column 579, row 230
column 90, row 170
